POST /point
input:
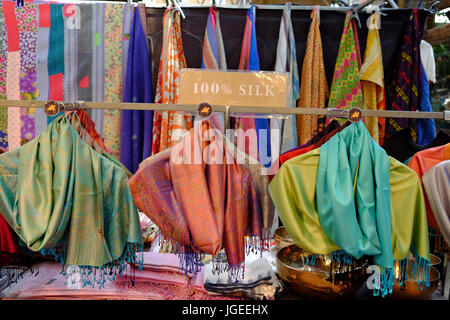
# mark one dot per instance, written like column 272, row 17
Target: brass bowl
column 434, row 260
column 410, row 289
column 312, row 282
column 282, row 238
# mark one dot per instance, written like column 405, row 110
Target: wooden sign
column 234, row 88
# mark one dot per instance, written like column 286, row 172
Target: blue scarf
column 137, row 125
column 426, row 128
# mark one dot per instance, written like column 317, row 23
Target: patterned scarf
column 78, row 221
column 170, row 126
column 202, row 206
column 372, row 79
column 346, row 88
column 403, row 91
column 314, row 87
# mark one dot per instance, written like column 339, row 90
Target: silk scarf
column 297, row 201
column 403, row 91
column 286, row 61
column 436, row 182
column 89, row 219
column 200, row 204
column 314, row 87
column 137, row 125
column 372, row 79
column 346, row 89
column 249, row 60
column 170, row 126
column 426, row 128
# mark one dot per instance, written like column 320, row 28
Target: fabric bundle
column 259, row 282
column 201, row 204
column 313, row 87
column 170, row 126
column 368, row 204
column 403, row 91
column 372, row 78
column 88, row 220
column 137, row 125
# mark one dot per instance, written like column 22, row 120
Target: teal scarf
column 354, row 198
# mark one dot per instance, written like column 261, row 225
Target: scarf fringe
column 220, row 265
column 254, row 244
column 421, row 269
column 90, row 276
column 386, row 283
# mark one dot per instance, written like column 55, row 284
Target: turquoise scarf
column 353, row 196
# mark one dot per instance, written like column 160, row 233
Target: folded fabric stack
column 161, row 276
column 258, row 282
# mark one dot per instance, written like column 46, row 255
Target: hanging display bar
column 443, row 115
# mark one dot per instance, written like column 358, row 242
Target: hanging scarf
column 200, row 204
column 12, row 72
column 117, row 25
column 360, row 227
column 89, row 219
column 286, row 54
column 249, row 60
column 307, row 216
column 3, row 69
column 26, row 17
column 314, row 87
column 426, row 128
column 436, row 182
column 137, row 125
column 403, row 91
column 214, row 55
column 346, row 88
column 170, row 126
column 372, row 79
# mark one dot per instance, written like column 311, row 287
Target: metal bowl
column 410, row 289
column 312, row 282
column 282, row 238
column 434, row 260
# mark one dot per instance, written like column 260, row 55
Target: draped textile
column 202, row 205
column 421, row 163
column 286, row 61
column 403, row 91
column 170, row 126
column 372, row 78
column 214, row 55
column 426, row 128
column 89, row 219
column 249, row 60
column 360, row 227
column 346, row 89
column 117, row 25
column 402, row 147
column 294, row 192
column 26, row 16
column 137, row 125
column 8, row 243
column 436, row 183
column 313, row 87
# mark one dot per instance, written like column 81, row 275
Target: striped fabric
column 98, row 62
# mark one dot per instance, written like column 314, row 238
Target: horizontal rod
column 232, row 109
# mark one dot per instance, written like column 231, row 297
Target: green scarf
column 64, row 198
column 334, row 199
